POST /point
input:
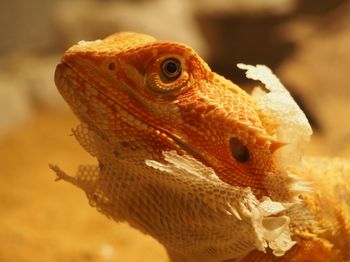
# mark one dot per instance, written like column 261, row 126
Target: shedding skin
column 132, row 112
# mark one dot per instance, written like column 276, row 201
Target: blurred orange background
column 306, row 43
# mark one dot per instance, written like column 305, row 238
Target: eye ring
column 239, row 151
column 167, row 75
column 170, row 69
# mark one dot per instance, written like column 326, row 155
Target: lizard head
column 160, row 96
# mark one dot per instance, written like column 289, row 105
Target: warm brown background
column 307, row 43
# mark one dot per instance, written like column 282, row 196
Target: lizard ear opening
column 239, row 151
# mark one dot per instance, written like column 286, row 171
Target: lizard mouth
column 81, row 95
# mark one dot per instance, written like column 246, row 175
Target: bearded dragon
column 188, row 157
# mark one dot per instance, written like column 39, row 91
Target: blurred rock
column 171, row 20
column 253, row 31
column 26, row 84
column 245, row 31
column 14, row 104
column 38, row 74
column 318, row 71
column 26, row 26
column 245, row 7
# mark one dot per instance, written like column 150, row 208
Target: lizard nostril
column 111, row 66
column 239, row 151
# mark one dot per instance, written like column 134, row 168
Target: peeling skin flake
column 278, row 106
column 189, row 164
column 272, row 230
column 267, row 218
column 85, row 43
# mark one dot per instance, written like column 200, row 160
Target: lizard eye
column 171, row 69
column 239, row 151
column 167, row 75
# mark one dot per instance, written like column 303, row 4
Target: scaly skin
column 200, row 110
column 118, row 89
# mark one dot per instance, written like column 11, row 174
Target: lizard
column 190, row 158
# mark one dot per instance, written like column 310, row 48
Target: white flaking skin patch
column 293, row 127
column 267, row 218
column 86, row 43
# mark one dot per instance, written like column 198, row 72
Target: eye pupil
column 239, row 151
column 171, row 69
